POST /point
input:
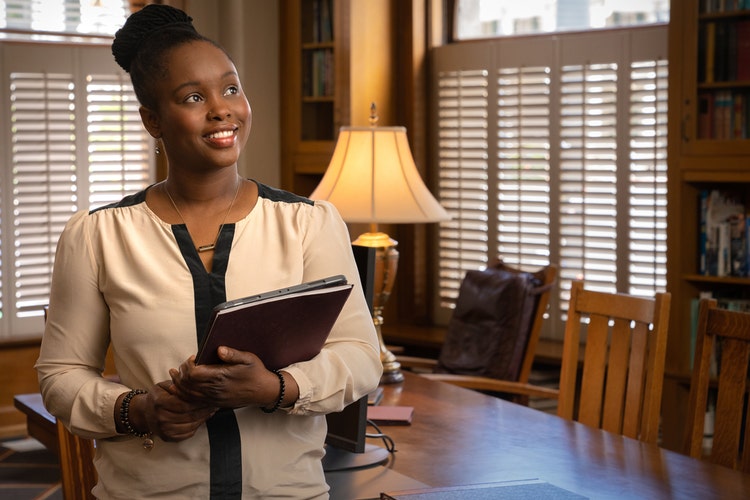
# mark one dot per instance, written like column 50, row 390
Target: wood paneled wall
column 17, row 376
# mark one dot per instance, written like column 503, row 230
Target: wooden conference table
column 461, row 437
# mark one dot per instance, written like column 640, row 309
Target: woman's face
column 203, row 116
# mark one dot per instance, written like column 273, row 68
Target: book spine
column 737, row 245
column 702, row 233
column 710, row 53
column 722, row 115
column 723, row 264
column 738, row 116
column 743, row 50
column 705, row 115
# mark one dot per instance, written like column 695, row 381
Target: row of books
column 724, row 51
column 724, row 115
column 318, row 75
column 322, row 21
column 712, row 6
column 724, row 247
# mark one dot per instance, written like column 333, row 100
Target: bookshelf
column 335, row 60
column 709, row 150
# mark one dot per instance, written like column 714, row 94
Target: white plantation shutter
column 588, row 175
column 75, row 142
column 575, row 160
column 44, row 194
column 463, row 183
column 648, row 177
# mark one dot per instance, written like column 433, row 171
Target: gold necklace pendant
column 210, row 246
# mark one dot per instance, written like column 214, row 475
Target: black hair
column 146, row 37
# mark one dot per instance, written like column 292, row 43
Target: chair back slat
column 569, row 361
column 636, row 386
column 617, row 372
column 657, row 355
column 594, row 366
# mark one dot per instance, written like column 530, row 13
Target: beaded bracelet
column 282, row 390
column 125, row 413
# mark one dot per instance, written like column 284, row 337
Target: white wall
column 249, row 31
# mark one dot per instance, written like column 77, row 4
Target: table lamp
column 372, row 179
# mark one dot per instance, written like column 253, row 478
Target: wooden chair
column 623, row 363
column 77, row 471
column 546, row 277
column 730, row 330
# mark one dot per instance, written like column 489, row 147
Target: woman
column 144, row 274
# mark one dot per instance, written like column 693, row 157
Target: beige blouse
column 120, row 277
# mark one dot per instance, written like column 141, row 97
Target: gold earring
column 157, row 149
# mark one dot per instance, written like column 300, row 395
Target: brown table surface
column 460, row 437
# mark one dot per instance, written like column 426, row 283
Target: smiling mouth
column 221, row 135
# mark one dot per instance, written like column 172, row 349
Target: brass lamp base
column 391, row 368
column 386, row 264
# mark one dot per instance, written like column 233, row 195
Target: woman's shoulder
column 290, row 202
column 277, row 195
column 88, row 218
column 127, row 201
column 288, row 206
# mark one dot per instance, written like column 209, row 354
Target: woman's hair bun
column 150, row 19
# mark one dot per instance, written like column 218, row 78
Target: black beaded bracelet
column 125, row 413
column 282, row 390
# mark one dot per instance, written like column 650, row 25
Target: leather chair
column 494, row 331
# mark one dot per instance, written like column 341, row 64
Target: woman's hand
column 163, row 413
column 242, row 380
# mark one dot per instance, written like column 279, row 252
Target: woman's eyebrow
column 196, row 83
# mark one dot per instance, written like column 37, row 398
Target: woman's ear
column 151, row 121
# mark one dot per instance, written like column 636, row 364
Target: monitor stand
column 337, row 459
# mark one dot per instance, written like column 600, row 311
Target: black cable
column 390, row 445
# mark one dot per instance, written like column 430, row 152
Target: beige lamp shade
column 372, row 178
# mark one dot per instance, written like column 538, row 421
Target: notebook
column 281, row 327
column 390, row 415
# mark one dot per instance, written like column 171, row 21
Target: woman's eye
column 232, row 90
column 193, row 98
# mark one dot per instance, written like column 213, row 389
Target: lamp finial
column 373, row 115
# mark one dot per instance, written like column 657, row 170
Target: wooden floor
column 28, row 471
